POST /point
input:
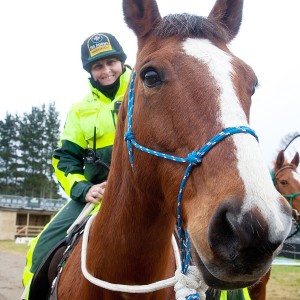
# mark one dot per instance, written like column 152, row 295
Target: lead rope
column 193, row 159
column 192, row 280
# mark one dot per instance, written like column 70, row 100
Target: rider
column 82, row 160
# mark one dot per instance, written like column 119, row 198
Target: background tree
column 26, row 148
column 52, row 133
column 9, row 176
column 289, row 139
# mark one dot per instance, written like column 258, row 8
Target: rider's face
column 106, row 71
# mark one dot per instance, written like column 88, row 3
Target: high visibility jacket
column 94, row 111
column 241, row 294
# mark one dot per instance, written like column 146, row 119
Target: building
column 25, row 216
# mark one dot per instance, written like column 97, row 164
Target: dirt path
column 282, row 285
column 11, row 271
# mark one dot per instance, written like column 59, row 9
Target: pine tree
column 26, row 148
column 8, row 154
column 39, row 132
column 52, row 124
column 288, row 139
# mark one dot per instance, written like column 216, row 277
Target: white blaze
column 260, row 193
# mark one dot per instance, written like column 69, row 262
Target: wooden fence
column 28, row 231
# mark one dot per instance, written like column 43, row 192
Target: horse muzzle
column 239, row 249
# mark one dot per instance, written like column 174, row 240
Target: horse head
column 188, row 88
column 189, row 159
column 287, row 180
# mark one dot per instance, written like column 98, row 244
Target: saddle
column 44, row 282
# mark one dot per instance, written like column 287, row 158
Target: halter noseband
column 193, row 159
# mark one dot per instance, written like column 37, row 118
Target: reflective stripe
column 246, row 294
column 27, row 274
column 66, row 182
column 223, row 295
column 239, row 296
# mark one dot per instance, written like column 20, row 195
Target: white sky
column 40, row 55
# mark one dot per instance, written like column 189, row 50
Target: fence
column 28, row 231
column 31, row 203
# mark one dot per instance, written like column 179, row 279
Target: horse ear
column 140, row 15
column 279, row 160
column 228, row 14
column 295, row 160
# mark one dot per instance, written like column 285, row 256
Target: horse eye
column 151, row 78
column 255, row 85
column 284, row 182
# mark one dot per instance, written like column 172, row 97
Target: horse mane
column 188, row 25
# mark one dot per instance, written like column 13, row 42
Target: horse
column 287, row 181
column 184, row 160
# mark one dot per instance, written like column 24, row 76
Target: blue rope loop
column 192, row 159
column 193, row 297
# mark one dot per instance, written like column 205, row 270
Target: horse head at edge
column 188, row 89
column 287, row 180
column 192, row 86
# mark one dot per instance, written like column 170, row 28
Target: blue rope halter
column 193, row 159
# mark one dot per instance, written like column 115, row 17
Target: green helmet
column 99, row 46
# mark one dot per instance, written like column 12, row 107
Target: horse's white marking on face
column 260, row 192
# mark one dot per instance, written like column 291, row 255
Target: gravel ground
column 11, row 271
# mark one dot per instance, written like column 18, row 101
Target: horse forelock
column 188, row 25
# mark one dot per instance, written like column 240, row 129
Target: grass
column 283, row 284
column 11, row 246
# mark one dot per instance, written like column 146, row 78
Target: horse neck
column 132, row 226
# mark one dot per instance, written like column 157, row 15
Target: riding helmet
column 99, row 46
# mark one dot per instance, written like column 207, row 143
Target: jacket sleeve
column 68, row 162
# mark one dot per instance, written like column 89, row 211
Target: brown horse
column 188, row 89
column 287, row 181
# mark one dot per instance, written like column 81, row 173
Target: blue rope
column 193, row 297
column 192, row 159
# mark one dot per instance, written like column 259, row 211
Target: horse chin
column 217, row 283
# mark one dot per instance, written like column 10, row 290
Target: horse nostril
column 222, row 233
column 232, row 234
column 244, row 237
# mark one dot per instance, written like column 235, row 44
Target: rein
column 194, row 158
column 121, row 287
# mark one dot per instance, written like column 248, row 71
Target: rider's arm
column 67, row 160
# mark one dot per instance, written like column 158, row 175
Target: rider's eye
column 283, row 182
column 151, row 78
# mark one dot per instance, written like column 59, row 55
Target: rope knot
column 194, row 158
column 190, row 286
column 128, row 137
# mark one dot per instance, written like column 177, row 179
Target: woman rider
column 82, row 160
